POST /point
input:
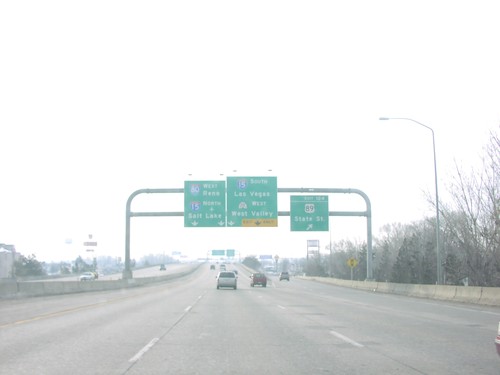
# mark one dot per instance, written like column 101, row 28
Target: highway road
column 187, row 326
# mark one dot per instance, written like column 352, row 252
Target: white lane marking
column 346, row 339
column 187, row 309
column 282, row 307
column 143, row 351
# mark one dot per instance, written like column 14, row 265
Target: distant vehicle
column 258, row 279
column 269, row 269
column 212, row 266
column 222, row 267
column 226, row 279
column 87, row 276
column 162, row 267
column 284, row 276
column 497, row 340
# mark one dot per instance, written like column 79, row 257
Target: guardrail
column 468, row 294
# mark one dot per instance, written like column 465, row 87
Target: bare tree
column 407, row 253
column 472, row 221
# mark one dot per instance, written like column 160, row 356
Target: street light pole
column 438, row 255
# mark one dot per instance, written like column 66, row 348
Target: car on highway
column 87, row 276
column 284, row 276
column 227, row 279
column 162, row 267
column 212, row 266
column 258, row 278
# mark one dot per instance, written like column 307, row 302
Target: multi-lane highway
column 187, row 326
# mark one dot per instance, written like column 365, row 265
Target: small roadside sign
column 352, row 262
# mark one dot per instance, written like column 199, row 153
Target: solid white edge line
column 141, row 352
column 346, row 339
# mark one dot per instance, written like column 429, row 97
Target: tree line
column 469, row 232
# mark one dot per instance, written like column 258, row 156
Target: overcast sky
column 101, row 98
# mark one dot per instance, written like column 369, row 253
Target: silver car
column 87, row 276
column 227, row 279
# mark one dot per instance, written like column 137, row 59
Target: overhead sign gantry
column 308, row 209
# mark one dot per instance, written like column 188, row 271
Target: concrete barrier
column 490, row 296
column 8, row 287
column 446, row 292
column 15, row 289
column 467, row 294
column 30, row 289
column 384, row 287
column 365, row 285
column 422, row 291
column 400, row 289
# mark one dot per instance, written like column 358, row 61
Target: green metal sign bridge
column 220, row 214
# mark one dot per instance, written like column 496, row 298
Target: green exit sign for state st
column 309, row 213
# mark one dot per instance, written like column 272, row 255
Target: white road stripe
column 346, row 339
column 141, row 352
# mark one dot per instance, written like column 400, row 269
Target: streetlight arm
column 409, row 119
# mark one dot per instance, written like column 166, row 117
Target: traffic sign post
column 352, row 262
column 309, row 213
column 204, row 203
column 90, row 244
column 252, row 202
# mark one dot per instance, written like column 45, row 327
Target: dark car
column 258, row 279
column 284, row 276
column 212, row 266
column 162, row 267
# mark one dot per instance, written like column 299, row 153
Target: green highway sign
column 230, row 253
column 204, row 203
column 218, row 253
column 309, row 213
column 252, row 202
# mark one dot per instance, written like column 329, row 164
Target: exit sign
column 309, row 213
